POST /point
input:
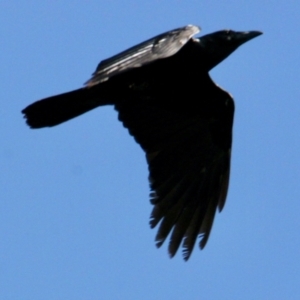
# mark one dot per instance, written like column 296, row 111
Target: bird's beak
column 243, row 37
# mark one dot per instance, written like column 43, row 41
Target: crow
column 183, row 121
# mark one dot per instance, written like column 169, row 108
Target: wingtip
column 193, row 28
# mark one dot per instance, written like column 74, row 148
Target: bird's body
column 180, row 117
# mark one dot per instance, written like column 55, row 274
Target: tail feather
column 57, row 109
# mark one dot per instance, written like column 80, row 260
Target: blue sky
column 74, row 206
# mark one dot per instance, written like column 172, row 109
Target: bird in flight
column 183, row 121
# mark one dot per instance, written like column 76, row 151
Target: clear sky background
column 74, row 205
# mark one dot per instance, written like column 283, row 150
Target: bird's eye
column 229, row 35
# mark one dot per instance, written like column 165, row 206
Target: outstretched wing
column 188, row 153
column 161, row 46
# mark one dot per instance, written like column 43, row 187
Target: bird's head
column 220, row 44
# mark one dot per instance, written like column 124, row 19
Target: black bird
column 182, row 120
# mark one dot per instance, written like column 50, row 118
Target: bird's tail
column 60, row 108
